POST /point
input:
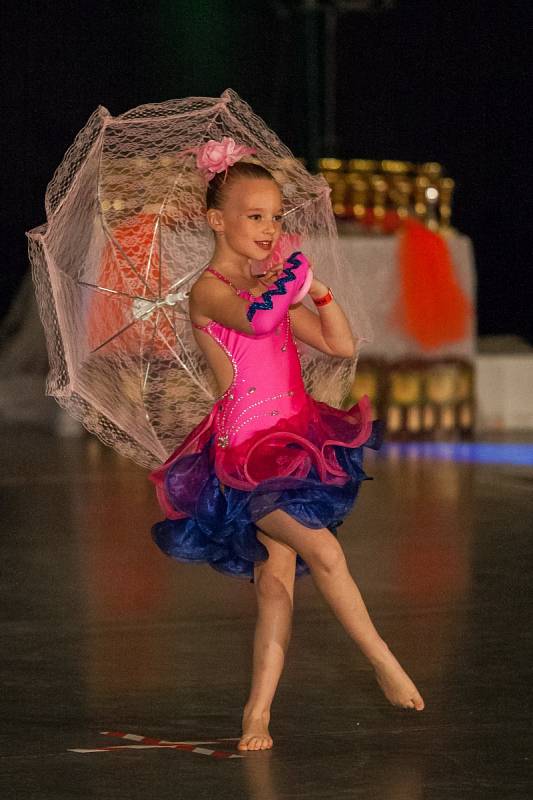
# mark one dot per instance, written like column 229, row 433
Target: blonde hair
column 218, row 185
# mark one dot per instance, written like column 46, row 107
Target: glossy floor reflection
column 101, row 632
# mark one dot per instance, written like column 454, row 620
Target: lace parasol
column 126, row 236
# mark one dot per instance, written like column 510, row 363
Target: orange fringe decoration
column 432, row 307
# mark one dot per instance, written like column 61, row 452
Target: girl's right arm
column 213, row 299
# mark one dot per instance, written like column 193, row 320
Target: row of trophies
column 419, row 399
column 376, row 196
column 367, row 196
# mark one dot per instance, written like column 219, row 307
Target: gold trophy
column 446, row 187
column 358, row 194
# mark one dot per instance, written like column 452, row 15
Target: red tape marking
column 147, row 743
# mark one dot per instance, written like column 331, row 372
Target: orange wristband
column 325, row 299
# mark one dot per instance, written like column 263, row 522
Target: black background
column 443, row 81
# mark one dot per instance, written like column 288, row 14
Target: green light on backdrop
column 199, row 42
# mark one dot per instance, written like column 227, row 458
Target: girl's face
column 250, row 218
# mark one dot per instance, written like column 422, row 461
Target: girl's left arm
column 328, row 330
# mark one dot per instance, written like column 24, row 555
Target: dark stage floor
column 101, row 632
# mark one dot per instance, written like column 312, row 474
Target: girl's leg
column 274, row 585
column 327, row 563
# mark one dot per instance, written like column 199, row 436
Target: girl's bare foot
column 255, row 735
column 396, row 685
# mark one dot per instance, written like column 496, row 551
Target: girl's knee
column 274, row 584
column 275, row 576
column 327, row 555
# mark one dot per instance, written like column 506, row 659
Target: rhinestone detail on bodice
column 267, row 380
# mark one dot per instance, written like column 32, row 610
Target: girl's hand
column 273, row 273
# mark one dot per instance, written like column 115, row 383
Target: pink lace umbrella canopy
column 126, row 236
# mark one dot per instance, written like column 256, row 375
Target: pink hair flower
column 213, row 156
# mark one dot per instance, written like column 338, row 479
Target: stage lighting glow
column 513, row 453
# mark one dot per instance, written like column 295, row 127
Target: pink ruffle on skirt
column 290, row 448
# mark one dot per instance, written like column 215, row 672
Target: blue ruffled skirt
column 221, row 530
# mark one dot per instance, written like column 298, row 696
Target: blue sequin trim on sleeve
column 289, row 276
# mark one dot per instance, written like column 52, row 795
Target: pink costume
column 266, row 444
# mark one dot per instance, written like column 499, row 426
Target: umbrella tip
column 36, row 233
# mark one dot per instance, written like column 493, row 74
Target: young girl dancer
column 259, row 486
